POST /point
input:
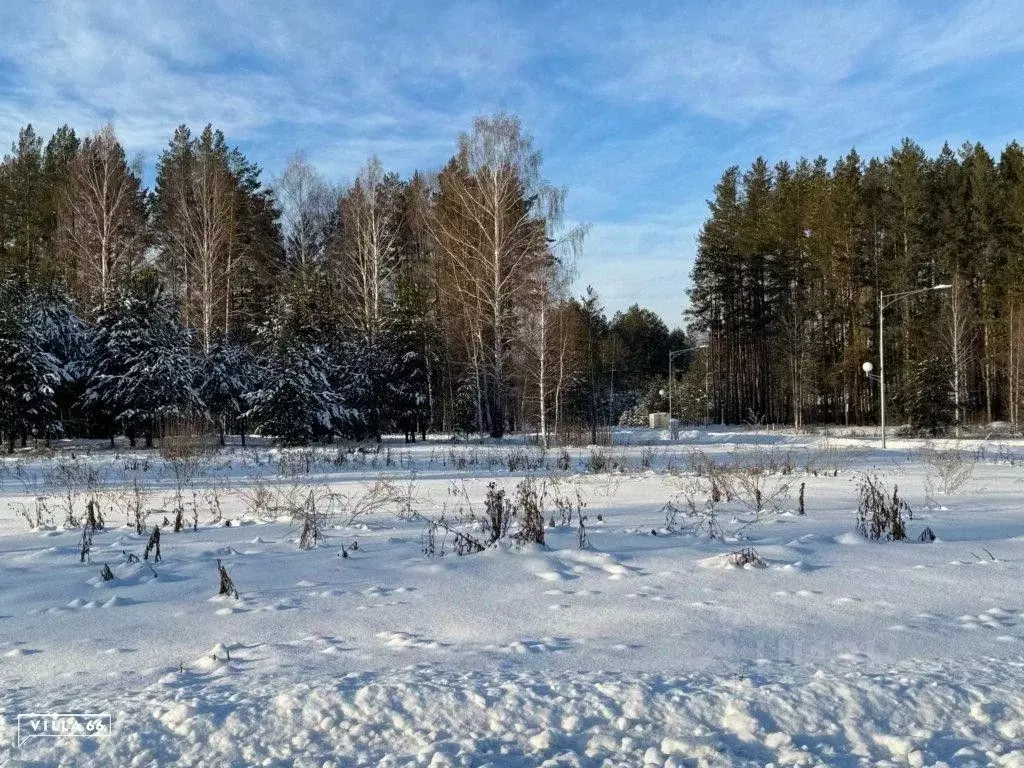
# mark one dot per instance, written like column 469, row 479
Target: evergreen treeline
column 793, row 258
column 299, row 309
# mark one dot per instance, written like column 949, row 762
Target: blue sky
column 638, row 108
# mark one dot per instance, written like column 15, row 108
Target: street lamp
column 887, row 300
column 672, row 357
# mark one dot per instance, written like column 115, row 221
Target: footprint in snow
column 993, row 618
column 16, row 652
column 796, row 567
column 328, row 593
column 405, row 640
column 326, row 644
column 287, row 604
column 543, row 645
column 382, row 604
column 648, row 595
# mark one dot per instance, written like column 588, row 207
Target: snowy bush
column 259, row 498
column 718, row 474
column 947, row 471
column 826, row 460
column 497, row 513
column 71, row 478
column 878, row 514
column 746, row 557
column 564, row 461
column 313, row 517
column 383, row 496
column 762, row 480
column 582, row 540
column 227, row 587
column 524, row 460
column 528, row 508
column 38, row 516
column 187, row 454
column 519, row 520
column 153, row 545
column 567, row 503
column 761, row 491
column 648, row 454
column 598, row 460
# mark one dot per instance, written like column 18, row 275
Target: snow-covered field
column 645, row 647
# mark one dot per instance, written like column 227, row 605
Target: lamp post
column 887, row 300
column 671, row 358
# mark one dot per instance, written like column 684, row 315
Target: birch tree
column 369, row 253
column 491, row 239
column 544, row 336
column 101, row 219
column 959, row 337
column 197, row 213
column 308, row 211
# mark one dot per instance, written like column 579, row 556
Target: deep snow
column 641, row 649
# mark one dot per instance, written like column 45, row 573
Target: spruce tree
column 29, row 374
column 141, row 369
column 928, row 397
column 227, row 377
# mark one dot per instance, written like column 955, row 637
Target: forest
column 300, row 308
column 305, row 309
column 792, row 262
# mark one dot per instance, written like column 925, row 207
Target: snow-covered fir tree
column 228, row 377
column 294, row 400
column 141, row 369
column 29, row 372
column 293, row 397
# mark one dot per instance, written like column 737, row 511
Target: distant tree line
column 300, row 309
column 791, row 262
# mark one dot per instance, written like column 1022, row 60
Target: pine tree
column 23, row 214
